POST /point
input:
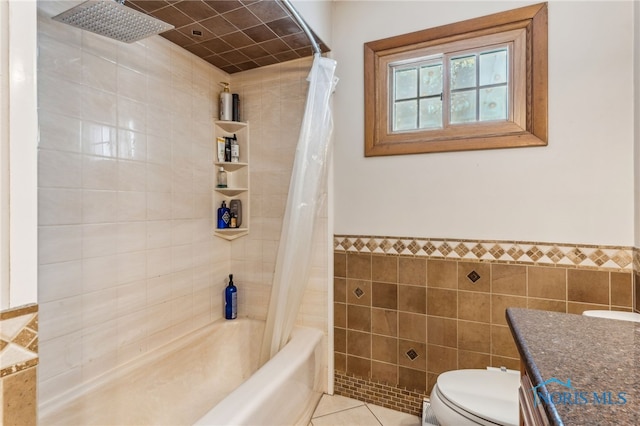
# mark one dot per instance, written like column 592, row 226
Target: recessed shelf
column 237, row 179
column 230, row 192
column 230, row 166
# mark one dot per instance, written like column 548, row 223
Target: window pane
column 406, row 83
column 430, row 113
column 406, row 115
column 463, row 107
column 493, row 103
column 493, row 68
column 431, row 80
column 463, row 72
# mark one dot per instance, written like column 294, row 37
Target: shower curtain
column 304, row 199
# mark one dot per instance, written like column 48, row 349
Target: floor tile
column 390, row 417
column 358, row 416
column 334, row 403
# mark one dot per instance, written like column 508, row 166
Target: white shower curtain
column 305, row 197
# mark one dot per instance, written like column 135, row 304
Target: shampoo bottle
column 222, row 178
column 235, row 150
column 231, row 300
column 226, row 103
column 224, row 216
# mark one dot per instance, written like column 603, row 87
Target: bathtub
column 209, row 377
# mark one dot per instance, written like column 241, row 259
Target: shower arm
column 287, row 4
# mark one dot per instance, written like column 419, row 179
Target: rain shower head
column 112, row 19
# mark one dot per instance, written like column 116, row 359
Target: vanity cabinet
column 531, row 414
column 237, row 178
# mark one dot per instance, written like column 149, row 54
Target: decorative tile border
column 392, row 397
column 523, row 252
column 18, row 339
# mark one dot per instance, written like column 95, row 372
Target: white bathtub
column 209, row 377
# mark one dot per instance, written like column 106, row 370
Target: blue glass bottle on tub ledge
column 231, row 300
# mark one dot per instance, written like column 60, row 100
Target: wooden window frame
column 529, row 125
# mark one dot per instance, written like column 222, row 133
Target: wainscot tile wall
column 406, row 310
column 18, row 361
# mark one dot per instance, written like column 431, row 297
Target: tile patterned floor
column 341, row 411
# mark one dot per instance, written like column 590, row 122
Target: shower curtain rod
column 303, row 25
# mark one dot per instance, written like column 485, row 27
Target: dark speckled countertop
column 600, row 357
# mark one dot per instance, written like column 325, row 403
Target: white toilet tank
column 617, row 315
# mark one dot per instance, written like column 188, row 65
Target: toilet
column 476, row 397
column 488, row 397
column 618, row 315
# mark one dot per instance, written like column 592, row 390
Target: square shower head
column 110, row 18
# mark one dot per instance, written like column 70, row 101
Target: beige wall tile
column 384, row 349
column 621, row 289
column 412, row 379
column 340, row 315
column 412, row 299
column 359, row 367
column 384, row 321
column 502, row 342
column 384, row 295
column 588, row 286
column 412, row 271
column 547, row 304
column 442, row 331
column 442, row 274
column 359, row 318
column 509, row 279
column 474, row 306
column 500, row 361
column 339, row 290
column 384, row 268
column 340, row 340
column 547, row 283
column 384, row 373
column 483, row 270
column 339, row 264
column 19, row 400
column 441, row 359
column 340, row 361
column 407, row 350
column 359, row 344
column 359, row 266
column 499, row 304
column 359, row 287
column 412, row 326
column 470, row 359
column 442, row 303
column 579, row 307
column 474, row 336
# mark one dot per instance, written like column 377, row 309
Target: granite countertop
column 599, row 357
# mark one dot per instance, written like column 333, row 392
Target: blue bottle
column 224, row 216
column 231, row 300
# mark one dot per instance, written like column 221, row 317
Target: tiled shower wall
column 127, row 260
column 407, row 310
column 272, row 101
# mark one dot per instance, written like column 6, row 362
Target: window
column 476, row 84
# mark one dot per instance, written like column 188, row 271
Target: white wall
column 636, row 85
column 578, row 189
column 18, row 136
column 317, row 15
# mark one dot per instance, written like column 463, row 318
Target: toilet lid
column 489, row 394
